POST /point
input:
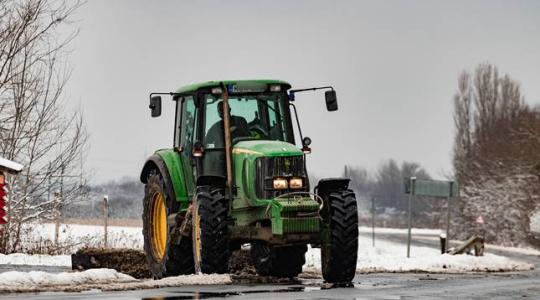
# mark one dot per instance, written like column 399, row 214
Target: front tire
column 284, row 261
column 211, row 250
column 339, row 248
column 164, row 258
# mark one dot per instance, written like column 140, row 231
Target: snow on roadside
column 37, row 278
column 102, row 279
column 387, row 256
column 35, row 260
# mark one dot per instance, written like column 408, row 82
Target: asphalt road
column 370, row 286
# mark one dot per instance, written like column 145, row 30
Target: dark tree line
column 125, row 200
column 386, row 185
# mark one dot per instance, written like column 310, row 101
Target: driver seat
column 239, row 127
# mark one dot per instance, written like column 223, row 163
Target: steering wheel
column 258, row 131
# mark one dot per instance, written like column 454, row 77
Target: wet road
column 369, row 286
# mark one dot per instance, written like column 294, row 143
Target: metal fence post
column 411, row 195
column 106, row 219
column 450, row 194
column 373, row 221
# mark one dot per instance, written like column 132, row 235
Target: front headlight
column 296, row 183
column 280, row 184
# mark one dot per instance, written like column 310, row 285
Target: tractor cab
column 257, row 111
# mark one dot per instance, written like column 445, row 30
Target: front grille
column 286, row 167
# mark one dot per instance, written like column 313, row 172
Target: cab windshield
column 253, row 117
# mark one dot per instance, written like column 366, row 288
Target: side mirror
column 331, row 100
column 155, row 106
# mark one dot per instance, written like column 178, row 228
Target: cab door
column 185, row 136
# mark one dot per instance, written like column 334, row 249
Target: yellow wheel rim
column 197, row 239
column 159, row 225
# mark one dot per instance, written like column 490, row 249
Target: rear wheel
column 210, row 231
column 339, row 248
column 278, row 261
column 164, row 258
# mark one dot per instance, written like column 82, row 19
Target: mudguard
column 331, row 184
column 169, row 164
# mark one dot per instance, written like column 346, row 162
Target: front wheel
column 210, row 231
column 339, row 248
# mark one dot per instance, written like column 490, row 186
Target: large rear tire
column 210, row 231
column 339, row 248
column 284, row 261
column 164, row 258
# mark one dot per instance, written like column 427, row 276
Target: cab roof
column 208, row 84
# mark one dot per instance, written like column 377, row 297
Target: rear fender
column 169, row 164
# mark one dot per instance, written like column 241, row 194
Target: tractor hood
column 266, row 148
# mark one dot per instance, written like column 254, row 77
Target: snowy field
column 388, row 256
column 73, row 236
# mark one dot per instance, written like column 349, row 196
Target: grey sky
column 394, row 66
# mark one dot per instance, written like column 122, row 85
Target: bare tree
column 36, row 129
column 495, row 153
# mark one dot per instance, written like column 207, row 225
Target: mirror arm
column 297, row 122
column 292, row 92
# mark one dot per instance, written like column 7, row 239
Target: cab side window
column 189, row 117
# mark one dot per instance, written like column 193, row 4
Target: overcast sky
column 394, row 66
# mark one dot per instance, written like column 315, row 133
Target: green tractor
column 235, row 176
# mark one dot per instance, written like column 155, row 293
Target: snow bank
column 101, row 279
column 391, row 257
column 35, row 260
column 37, row 278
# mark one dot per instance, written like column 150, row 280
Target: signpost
column 429, row 188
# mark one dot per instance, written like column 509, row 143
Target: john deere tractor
column 235, row 175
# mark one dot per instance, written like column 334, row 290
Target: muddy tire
column 164, row 258
column 210, row 231
column 339, row 248
column 278, row 261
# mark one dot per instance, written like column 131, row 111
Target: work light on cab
column 275, row 88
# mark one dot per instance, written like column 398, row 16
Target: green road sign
column 431, row 188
